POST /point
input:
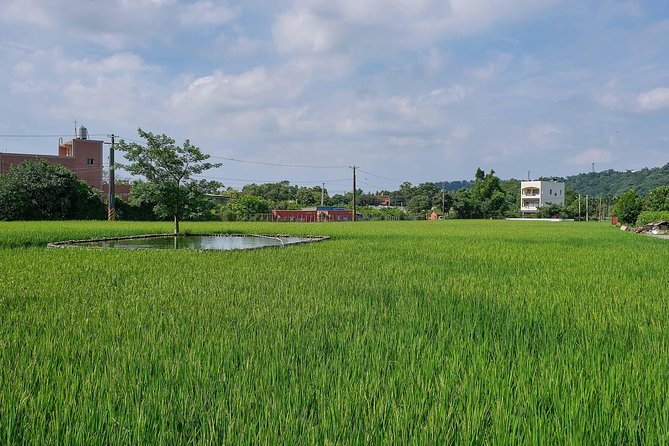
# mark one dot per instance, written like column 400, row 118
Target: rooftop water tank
column 82, row 133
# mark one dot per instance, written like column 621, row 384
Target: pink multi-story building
column 81, row 155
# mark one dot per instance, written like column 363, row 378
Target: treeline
column 484, row 197
column 611, row 183
column 37, row 190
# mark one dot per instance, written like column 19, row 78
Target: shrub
column 628, row 207
column 650, row 216
column 37, row 190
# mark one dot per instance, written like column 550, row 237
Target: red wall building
column 311, row 216
column 81, row 156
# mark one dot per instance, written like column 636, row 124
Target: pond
column 213, row 242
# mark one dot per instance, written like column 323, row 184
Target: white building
column 536, row 194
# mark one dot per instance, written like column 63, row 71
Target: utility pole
column 354, row 187
column 111, row 210
column 443, row 202
column 579, row 207
column 593, row 167
column 587, row 213
column 600, row 212
column 322, row 194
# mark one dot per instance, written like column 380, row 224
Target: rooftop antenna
column 528, row 176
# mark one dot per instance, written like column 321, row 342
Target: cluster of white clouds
column 420, row 89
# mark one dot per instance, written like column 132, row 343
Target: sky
column 415, row 90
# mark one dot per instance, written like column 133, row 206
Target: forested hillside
column 612, row 183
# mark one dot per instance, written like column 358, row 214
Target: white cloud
column 446, row 95
column 492, row 69
column 380, row 25
column 656, row 99
column 592, row 155
column 257, row 87
column 303, row 31
column 545, row 136
column 461, row 132
column 207, row 13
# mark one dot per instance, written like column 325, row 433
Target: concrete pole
column 354, row 187
column 111, row 210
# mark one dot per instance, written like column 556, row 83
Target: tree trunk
column 176, row 225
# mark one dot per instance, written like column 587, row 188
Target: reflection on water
column 207, row 242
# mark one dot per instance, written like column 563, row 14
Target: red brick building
column 320, row 214
column 81, row 156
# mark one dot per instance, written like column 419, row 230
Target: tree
column 488, row 194
column 658, row 199
column 465, row 205
column 418, row 204
column 250, row 205
column 512, row 190
column 628, row 207
column 169, row 170
column 38, row 190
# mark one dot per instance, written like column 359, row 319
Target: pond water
column 201, row 242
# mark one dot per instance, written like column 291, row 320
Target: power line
column 306, row 166
column 207, row 177
column 382, row 177
column 371, row 185
column 264, row 163
column 4, row 135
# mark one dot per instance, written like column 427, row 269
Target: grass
column 391, row 332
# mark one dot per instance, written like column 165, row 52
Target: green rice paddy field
column 475, row 332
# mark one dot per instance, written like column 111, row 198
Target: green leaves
column 628, row 207
column 38, row 190
column 169, row 170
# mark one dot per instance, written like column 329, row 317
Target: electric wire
column 264, row 163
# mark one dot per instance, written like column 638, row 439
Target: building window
column 550, row 192
column 89, row 162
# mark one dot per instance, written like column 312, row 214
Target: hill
column 452, row 186
column 612, row 183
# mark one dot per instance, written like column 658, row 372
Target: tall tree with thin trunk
column 169, row 170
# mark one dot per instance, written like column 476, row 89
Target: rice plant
column 390, row 332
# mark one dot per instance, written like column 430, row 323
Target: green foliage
column 450, row 332
column 169, row 170
column 628, row 207
column 511, row 190
column 370, row 213
column 646, row 217
column 657, row 199
column 555, row 211
column 453, row 186
column 611, row 183
column 38, row 190
column 465, row 205
column 485, row 199
column 418, row 204
column 135, row 211
column 249, row 204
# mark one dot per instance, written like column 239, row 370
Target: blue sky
column 422, row 90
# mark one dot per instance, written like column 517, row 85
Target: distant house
column 384, row 200
column 321, row 213
column 536, row 194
